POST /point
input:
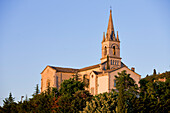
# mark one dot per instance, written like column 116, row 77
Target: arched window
column 105, row 50
column 114, row 50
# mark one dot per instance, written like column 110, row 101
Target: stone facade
column 101, row 76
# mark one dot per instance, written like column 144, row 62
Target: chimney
column 133, row 69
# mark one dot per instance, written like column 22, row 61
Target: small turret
column 117, row 36
column 103, row 37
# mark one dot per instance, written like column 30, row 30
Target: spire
column 110, row 29
column 103, row 37
column 117, row 36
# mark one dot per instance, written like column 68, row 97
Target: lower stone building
column 101, row 77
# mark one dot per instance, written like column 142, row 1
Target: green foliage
column 80, row 99
column 127, row 92
column 85, row 81
column 102, row 103
column 76, row 76
column 73, row 97
column 151, row 78
column 156, row 98
column 73, row 104
column 9, row 106
column 37, row 91
column 70, row 86
column 65, row 103
column 9, row 100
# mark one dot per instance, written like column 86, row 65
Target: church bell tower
column 111, row 47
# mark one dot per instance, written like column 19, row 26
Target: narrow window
column 114, row 83
column 92, row 90
column 105, row 50
column 111, row 62
column 114, row 51
column 57, row 82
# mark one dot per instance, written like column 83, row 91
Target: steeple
column 110, row 47
column 110, row 29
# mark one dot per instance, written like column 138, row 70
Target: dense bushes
column 150, row 97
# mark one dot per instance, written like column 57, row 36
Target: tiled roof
column 90, row 67
column 60, row 69
column 71, row 70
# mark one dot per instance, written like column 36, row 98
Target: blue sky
column 37, row 33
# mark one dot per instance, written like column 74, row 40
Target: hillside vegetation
column 151, row 97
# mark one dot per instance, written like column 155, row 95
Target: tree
column 102, row 103
column 154, row 72
column 72, row 96
column 85, row 81
column 71, row 86
column 37, row 91
column 9, row 100
column 143, row 86
column 9, row 106
column 127, row 92
column 41, row 103
column 76, row 76
column 155, row 98
column 79, row 100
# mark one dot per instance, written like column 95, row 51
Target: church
column 101, row 77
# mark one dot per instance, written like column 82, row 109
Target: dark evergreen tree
column 37, row 90
column 154, row 72
column 127, row 92
column 9, row 106
column 76, row 76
